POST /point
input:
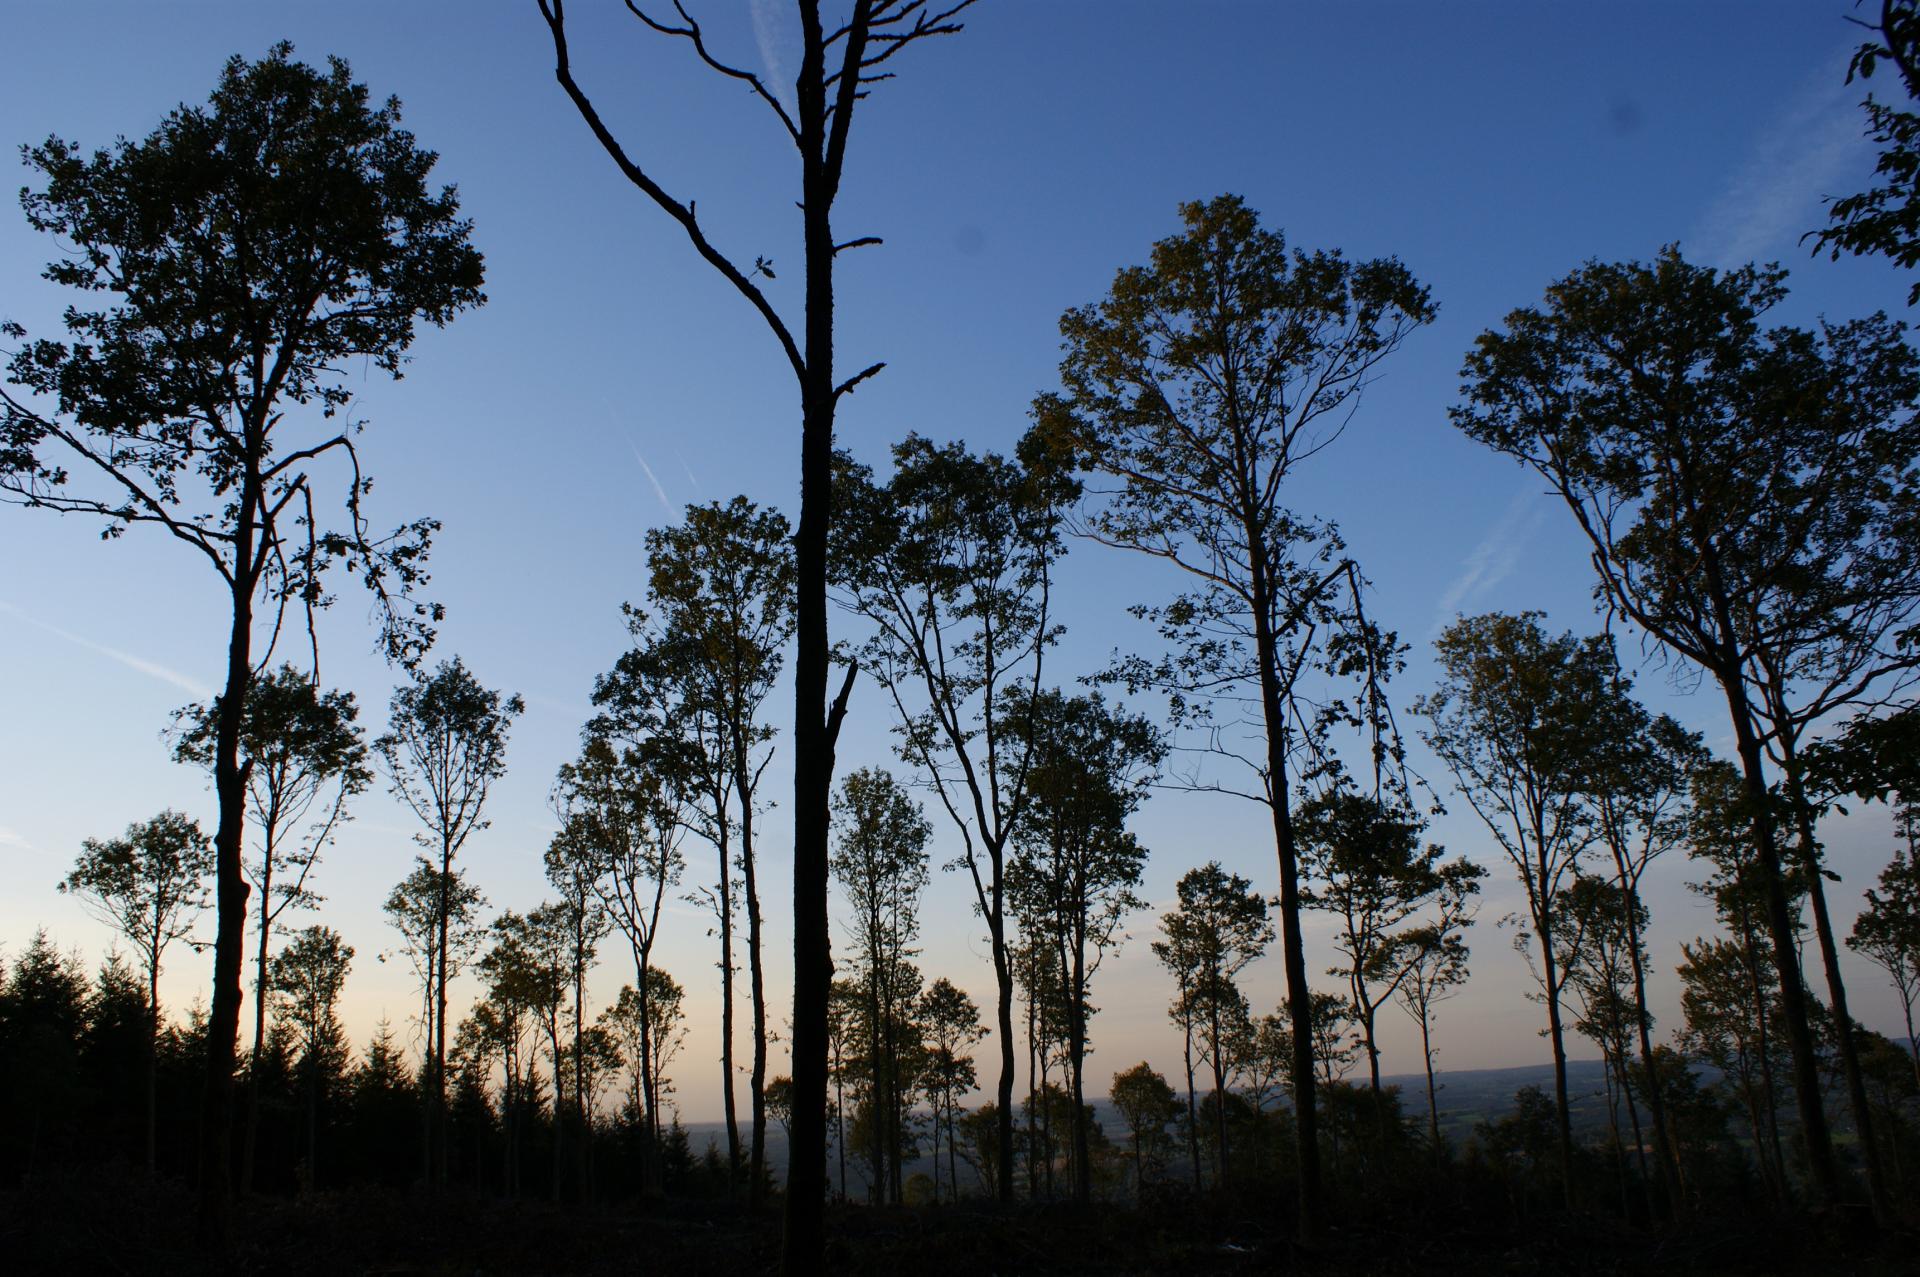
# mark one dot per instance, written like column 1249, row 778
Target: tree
column 149, row 885
column 1638, row 789
column 951, row 1024
column 881, row 864
column 951, row 563
column 722, row 582
column 1748, row 497
column 306, row 980
column 1146, row 1104
column 1884, row 220
column 1436, row 968
column 708, row 647
column 626, row 812
column 1600, row 923
column 1517, row 720
column 255, row 248
column 527, row 966
column 581, row 920
column 1199, row 384
column 840, row 62
column 445, row 745
column 1888, row 929
column 302, row 752
column 438, row 917
column 1365, row 865
column 1728, row 997
column 1219, row 926
column 1076, row 867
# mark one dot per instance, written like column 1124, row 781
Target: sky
column 1011, row 170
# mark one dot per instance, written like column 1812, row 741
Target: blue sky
column 1011, row 171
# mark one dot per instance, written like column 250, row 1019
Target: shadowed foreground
column 108, row 1225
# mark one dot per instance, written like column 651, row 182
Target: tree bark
column 1292, row 942
column 231, row 888
column 1837, row 992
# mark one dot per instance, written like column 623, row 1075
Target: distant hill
column 1465, row 1097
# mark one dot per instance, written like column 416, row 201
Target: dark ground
column 104, row 1225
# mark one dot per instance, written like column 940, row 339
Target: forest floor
column 101, row 1226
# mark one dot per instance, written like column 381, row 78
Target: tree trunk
column 1563, row 1121
column 1822, row 1169
column 437, row 1097
column 231, row 889
column 805, row 1239
column 1077, row 1049
column 1664, row 1154
column 251, row 1139
column 757, row 1083
column 1433, row 1104
column 1193, row 1113
column 727, row 1104
column 1837, row 992
column 153, row 1064
column 1292, row 942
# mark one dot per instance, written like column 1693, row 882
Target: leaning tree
column 1748, row 496
column 247, row 254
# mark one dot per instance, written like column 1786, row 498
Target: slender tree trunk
column 1556, row 1035
column 1822, row 1169
column 559, row 1110
column 437, row 1097
column 1219, row 1092
column 727, row 1102
column 1633, row 1120
column 1837, row 992
column 1433, row 1105
column 756, row 980
column 1077, row 1046
column 1663, row 1151
column 1292, row 942
column 1193, row 1112
column 231, row 888
column 153, row 1064
column 1003, row 982
column 251, row 1139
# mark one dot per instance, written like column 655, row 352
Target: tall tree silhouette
column 1219, row 926
column 253, row 250
column 840, row 63
column 709, row 642
column 951, row 562
column 1077, row 866
column 303, row 754
column 308, row 977
column 1366, row 866
column 445, row 745
column 149, row 885
column 1748, row 497
column 1199, row 384
column 881, row 864
column 1518, row 718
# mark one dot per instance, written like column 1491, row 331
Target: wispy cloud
column 152, row 669
column 12, row 840
column 1775, row 195
column 774, row 34
column 652, row 478
column 1493, row 560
